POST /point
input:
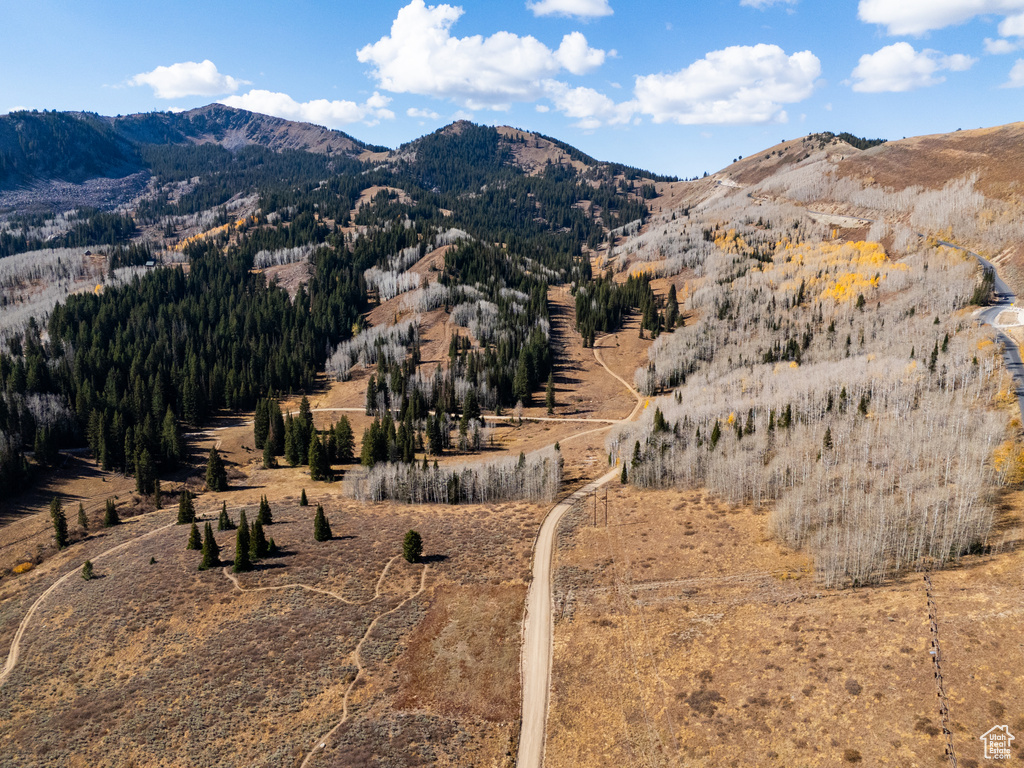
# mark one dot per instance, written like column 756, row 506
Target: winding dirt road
column 538, row 626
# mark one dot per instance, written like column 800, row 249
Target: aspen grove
column 849, row 392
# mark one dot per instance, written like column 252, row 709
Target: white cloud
column 1012, row 26
column 915, row 17
column 737, row 85
column 427, row 114
column 898, row 67
column 576, row 56
column 762, row 4
column 188, row 78
column 581, row 8
column 1016, row 76
column 999, row 46
column 588, row 107
column 420, row 56
column 333, row 114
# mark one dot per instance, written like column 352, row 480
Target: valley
column 679, row 452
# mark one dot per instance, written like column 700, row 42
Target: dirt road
column 538, row 627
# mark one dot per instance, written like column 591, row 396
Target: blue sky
column 678, row 87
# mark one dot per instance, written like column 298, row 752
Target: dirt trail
column 376, row 593
column 538, row 625
column 359, row 664
column 15, row 652
column 322, row 744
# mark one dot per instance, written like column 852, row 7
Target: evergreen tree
column 110, row 516
column 660, row 425
column 276, row 424
column 83, row 519
column 291, row 449
column 258, row 547
column 60, row 523
column 471, row 406
column 144, row 474
column 435, row 442
column 216, row 475
column 345, row 441
column 269, row 462
column 371, row 396
column 672, row 310
column 827, row 442
column 261, row 425
column 521, row 382
column 304, row 425
column 242, row 561
column 623, row 477
column 224, row 522
column 172, row 446
column 87, row 570
column 194, row 540
column 186, row 512
column 158, row 495
column 264, row 515
column 716, row 434
column 318, row 467
column 412, row 547
column 321, row 525
column 303, row 501
column 211, row 552
column 549, row 395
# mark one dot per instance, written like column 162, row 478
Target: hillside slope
column 77, row 146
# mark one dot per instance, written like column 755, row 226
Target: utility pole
column 936, row 654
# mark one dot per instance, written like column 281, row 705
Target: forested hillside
column 127, row 368
column 835, row 378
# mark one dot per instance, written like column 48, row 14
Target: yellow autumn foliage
column 23, row 567
column 1006, row 398
column 180, row 246
column 730, row 242
column 1008, row 460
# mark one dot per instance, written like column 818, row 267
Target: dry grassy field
column 686, row 636
column 401, row 664
column 161, row 664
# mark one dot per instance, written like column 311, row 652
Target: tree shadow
column 430, row 559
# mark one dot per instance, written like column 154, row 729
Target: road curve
column 1004, row 300
column 538, row 625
